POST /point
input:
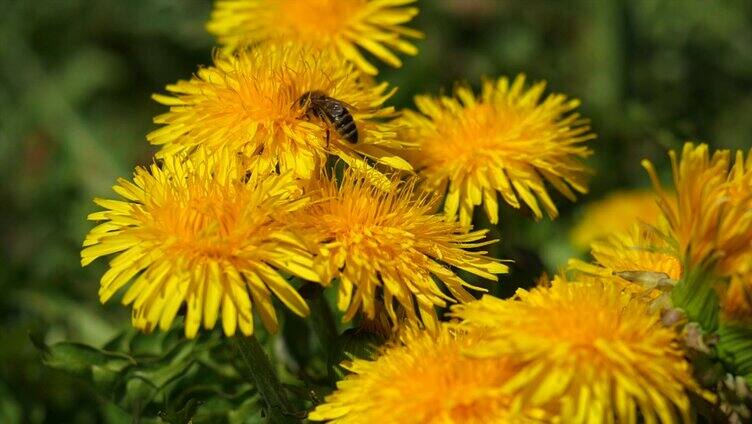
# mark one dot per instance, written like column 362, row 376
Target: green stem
column 324, row 325
column 261, row 374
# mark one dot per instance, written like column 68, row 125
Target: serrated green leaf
column 735, row 348
column 96, row 365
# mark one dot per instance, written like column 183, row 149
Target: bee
column 333, row 112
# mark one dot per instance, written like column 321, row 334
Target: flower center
column 318, row 20
column 581, row 326
column 481, row 131
column 259, row 101
column 207, row 225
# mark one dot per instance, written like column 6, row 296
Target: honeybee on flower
column 250, row 102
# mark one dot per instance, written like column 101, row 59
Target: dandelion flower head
column 391, row 243
column 711, row 218
column 509, row 140
column 346, row 27
column 639, row 260
column 200, row 233
column 251, row 103
column 589, row 352
column 424, row 378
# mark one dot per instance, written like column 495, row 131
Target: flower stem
column 260, row 372
column 324, row 325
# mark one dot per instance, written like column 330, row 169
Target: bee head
column 305, row 99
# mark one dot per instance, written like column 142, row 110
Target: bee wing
column 361, row 110
column 350, row 108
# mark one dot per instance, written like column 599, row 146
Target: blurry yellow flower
column 509, row 140
column 639, row 249
column 391, row 244
column 249, row 103
column 636, row 260
column 202, row 234
column 338, row 26
column 589, row 352
column 424, row 379
column 711, row 219
column 616, row 213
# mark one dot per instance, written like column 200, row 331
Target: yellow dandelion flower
column 391, row 243
column 638, row 260
column 615, row 213
column 510, row 140
column 345, row 27
column 425, row 378
column 640, row 249
column 711, row 218
column 203, row 234
column 251, row 103
column 588, row 352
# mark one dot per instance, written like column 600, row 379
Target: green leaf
column 246, row 409
column 249, row 412
column 259, row 371
column 143, row 375
column 98, row 366
column 735, row 348
column 695, row 295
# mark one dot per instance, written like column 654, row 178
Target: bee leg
column 327, row 138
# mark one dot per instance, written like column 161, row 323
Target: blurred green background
column 75, row 81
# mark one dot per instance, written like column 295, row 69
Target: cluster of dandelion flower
column 430, row 380
column 693, row 263
column 703, row 231
column 573, row 352
column 374, row 230
column 255, row 194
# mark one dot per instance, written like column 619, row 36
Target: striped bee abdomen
column 346, row 128
column 333, row 112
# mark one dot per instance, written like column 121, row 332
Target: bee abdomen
column 347, row 129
